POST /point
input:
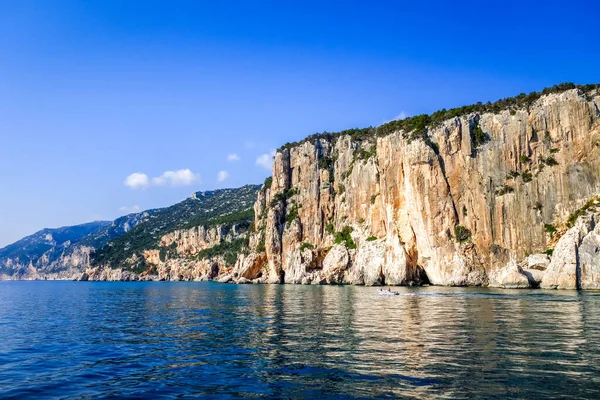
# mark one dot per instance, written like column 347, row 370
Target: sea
column 152, row 340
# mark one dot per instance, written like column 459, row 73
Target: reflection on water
column 75, row 339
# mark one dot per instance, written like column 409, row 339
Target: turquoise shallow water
column 170, row 340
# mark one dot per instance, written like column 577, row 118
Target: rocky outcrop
column 189, row 242
column 510, row 277
column 576, row 258
column 178, row 257
column 444, row 206
column 534, row 267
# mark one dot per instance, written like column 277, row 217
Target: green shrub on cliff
column 326, row 162
column 461, row 234
column 478, row 136
column 587, row 206
column 330, row 229
column 550, row 161
column 526, row 176
column 292, row 214
column 227, row 250
column 344, row 236
column 268, row 182
column 362, row 154
column 305, row 246
column 285, row 195
column 512, row 175
column 504, row 190
column 549, row 228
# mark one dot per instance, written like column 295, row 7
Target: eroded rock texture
column 385, row 210
column 178, row 257
column 576, row 259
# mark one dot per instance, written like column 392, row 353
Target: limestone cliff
column 462, row 201
column 197, row 253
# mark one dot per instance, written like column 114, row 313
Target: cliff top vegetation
column 419, row 124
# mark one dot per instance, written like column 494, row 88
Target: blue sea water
column 170, row 340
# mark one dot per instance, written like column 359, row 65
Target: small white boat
column 383, row 292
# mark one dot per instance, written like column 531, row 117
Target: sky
column 110, row 107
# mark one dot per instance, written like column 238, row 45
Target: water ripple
column 169, row 340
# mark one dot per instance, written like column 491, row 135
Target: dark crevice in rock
column 577, row 270
column 282, row 276
column 443, row 169
column 422, row 277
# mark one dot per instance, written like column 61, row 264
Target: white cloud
column 130, row 209
column 181, row 177
column 137, row 180
column 266, row 160
column 222, row 176
column 233, row 157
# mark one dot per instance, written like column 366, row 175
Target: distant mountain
column 58, row 253
column 62, row 253
column 49, row 242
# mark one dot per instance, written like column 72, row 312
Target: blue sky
column 92, row 92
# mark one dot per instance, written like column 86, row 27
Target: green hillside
column 210, row 208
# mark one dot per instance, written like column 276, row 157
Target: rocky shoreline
column 574, row 264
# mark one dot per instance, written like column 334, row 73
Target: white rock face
column 370, row 259
column 589, row 260
column 537, row 261
column 408, row 196
column 574, row 262
column 191, row 241
column 335, row 263
column 534, row 267
column 510, row 277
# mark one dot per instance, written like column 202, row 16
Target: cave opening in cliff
column 422, row 277
column 282, row 276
